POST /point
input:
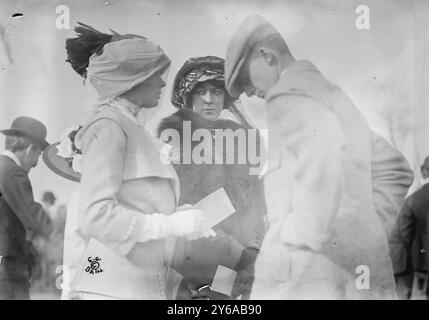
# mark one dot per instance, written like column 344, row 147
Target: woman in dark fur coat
column 204, row 103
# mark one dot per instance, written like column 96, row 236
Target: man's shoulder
column 7, row 165
column 298, row 110
column 423, row 192
column 419, row 198
column 302, row 78
column 9, row 170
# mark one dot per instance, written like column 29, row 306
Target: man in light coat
column 333, row 187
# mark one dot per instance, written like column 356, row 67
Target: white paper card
column 216, row 207
column 224, row 280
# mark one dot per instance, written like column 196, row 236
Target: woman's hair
column 219, row 84
column 80, row 49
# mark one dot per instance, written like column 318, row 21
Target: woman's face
column 208, row 100
column 147, row 93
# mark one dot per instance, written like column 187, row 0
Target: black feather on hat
column 80, row 49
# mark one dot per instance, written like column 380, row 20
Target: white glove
column 205, row 234
column 203, row 231
column 187, row 221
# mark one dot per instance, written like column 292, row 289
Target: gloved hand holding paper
column 216, row 207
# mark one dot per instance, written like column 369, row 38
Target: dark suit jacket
column 412, row 229
column 18, row 214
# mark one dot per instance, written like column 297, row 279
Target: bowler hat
column 30, row 128
column 250, row 32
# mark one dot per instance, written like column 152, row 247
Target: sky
column 381, row 68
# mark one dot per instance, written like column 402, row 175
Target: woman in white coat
column 127, row 195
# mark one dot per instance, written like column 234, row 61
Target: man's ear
column 268, row 55
column 32, row 148
column 29, row 148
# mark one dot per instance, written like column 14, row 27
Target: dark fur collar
column 175, row 121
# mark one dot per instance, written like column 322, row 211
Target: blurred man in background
column 409, row 242
column 49, row 248
column 54, row 253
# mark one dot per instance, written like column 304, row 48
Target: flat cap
column 250, row 32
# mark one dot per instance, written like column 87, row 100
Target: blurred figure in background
column 74, row 245
column 54, row 252
column 409, row 243
column 49, row 248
